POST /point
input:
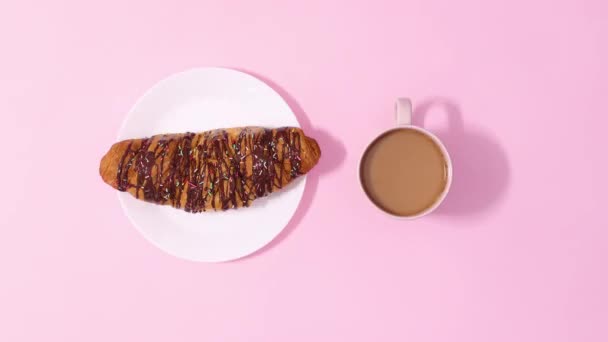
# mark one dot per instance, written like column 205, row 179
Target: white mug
column 403, row 116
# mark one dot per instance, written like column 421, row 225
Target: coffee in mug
column 406, row 171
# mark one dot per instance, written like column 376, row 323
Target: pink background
column 517, row 90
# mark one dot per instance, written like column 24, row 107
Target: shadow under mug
column 403, row 118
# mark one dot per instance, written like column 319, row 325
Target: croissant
column 213, row 170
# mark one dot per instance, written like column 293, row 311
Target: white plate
column 199, row 100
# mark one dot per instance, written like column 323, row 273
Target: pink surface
column 517, row 90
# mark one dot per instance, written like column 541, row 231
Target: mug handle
column 403, row 111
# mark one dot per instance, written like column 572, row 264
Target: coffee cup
column 406, row 171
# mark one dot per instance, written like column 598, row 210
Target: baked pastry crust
column 212, row 170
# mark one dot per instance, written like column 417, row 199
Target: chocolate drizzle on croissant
column 213, row 170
